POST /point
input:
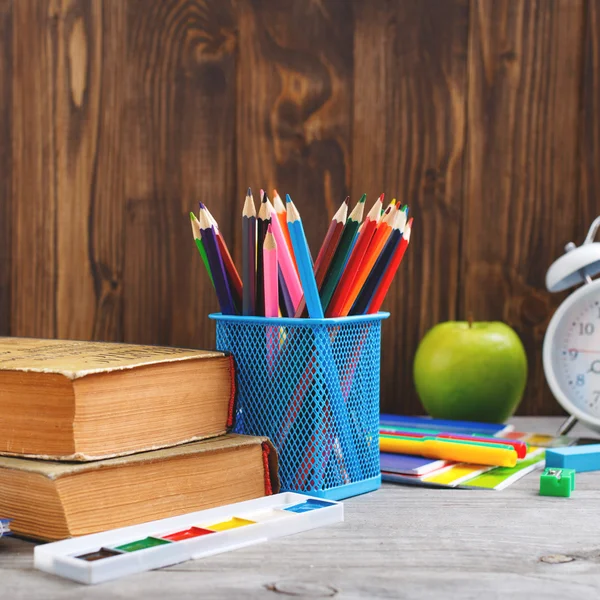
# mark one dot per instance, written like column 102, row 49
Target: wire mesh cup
column 312, row 387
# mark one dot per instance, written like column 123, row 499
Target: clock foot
column 567, row 425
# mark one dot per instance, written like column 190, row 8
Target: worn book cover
column 73, row 400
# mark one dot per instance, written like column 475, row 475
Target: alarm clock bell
column 578, row 265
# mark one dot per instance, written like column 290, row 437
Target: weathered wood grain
column 179, row 123
column 89, row 180
column 588, row 201
column 117, row 116
column 408, row 141
column 34, row 169
column 398, row 542
column 5, row 162
column 521, row 183
column 294, row 105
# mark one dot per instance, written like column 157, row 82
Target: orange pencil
column 281, row 213
column 358, row 252
column 382, row 233
column 386, row 280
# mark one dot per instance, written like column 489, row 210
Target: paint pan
column 232, row 523
column 186, row 534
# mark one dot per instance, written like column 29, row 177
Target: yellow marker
column 231, row 524
column 467, row 452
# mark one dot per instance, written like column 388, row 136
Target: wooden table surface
column 398, row 542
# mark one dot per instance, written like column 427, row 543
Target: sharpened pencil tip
column 201, row 205
column 249, row 192
column 382, row 197
column 275, row 193
column 347, row 201
column 363, row 199
column 288, row 199
column 192, row 216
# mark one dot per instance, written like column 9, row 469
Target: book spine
column 233, row 393
column 266, row 450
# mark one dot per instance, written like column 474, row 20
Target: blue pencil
column 304, row 261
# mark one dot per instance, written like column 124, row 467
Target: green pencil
column 199, row 244
column 341, row 254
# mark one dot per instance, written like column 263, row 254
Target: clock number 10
column 586, row 329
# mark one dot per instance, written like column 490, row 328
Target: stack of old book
column 95, row 436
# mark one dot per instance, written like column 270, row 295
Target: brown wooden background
column 117, row 116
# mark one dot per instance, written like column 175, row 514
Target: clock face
column 575, row 350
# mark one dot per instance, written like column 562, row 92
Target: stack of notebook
column 97, row 436
column 431, row 472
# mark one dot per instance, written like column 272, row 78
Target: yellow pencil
column 467, row 452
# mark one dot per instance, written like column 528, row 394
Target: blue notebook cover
column 441, row 425
column 409, row 465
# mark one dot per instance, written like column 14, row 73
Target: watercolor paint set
column 4, row 527
column 112, row 554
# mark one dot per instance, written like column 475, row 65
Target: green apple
column 471, row 371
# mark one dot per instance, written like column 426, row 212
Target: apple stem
column 470, row 320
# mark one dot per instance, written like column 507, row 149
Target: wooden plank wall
column 118, row 116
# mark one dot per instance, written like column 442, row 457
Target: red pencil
column 386, row 280
column 328, row 247
column 358, row 252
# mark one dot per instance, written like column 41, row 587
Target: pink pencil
column 286, row 262
column 270, row 274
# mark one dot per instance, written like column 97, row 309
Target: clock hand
column 584, row 351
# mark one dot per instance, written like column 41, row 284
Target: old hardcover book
column 77, row 401
column 54, row 500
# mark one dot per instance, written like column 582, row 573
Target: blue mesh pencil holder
column 312, row 387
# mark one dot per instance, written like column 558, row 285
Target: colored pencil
column 249, row 256
column 302, row 253
column 213, row 254
column 341, row 253
column 235, row 282
column 284, row 256
column 366, row 293
column 263, row 222
column 270, row 275
column 358, row 253
column 285, row 302
column 281, row 213
column 328, row 248
column 381, row 236
column 200, row 245
column 386, row 280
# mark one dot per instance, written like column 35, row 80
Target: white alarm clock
column 572, row 343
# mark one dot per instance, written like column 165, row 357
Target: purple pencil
column 215, row 260
column 285, row 300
